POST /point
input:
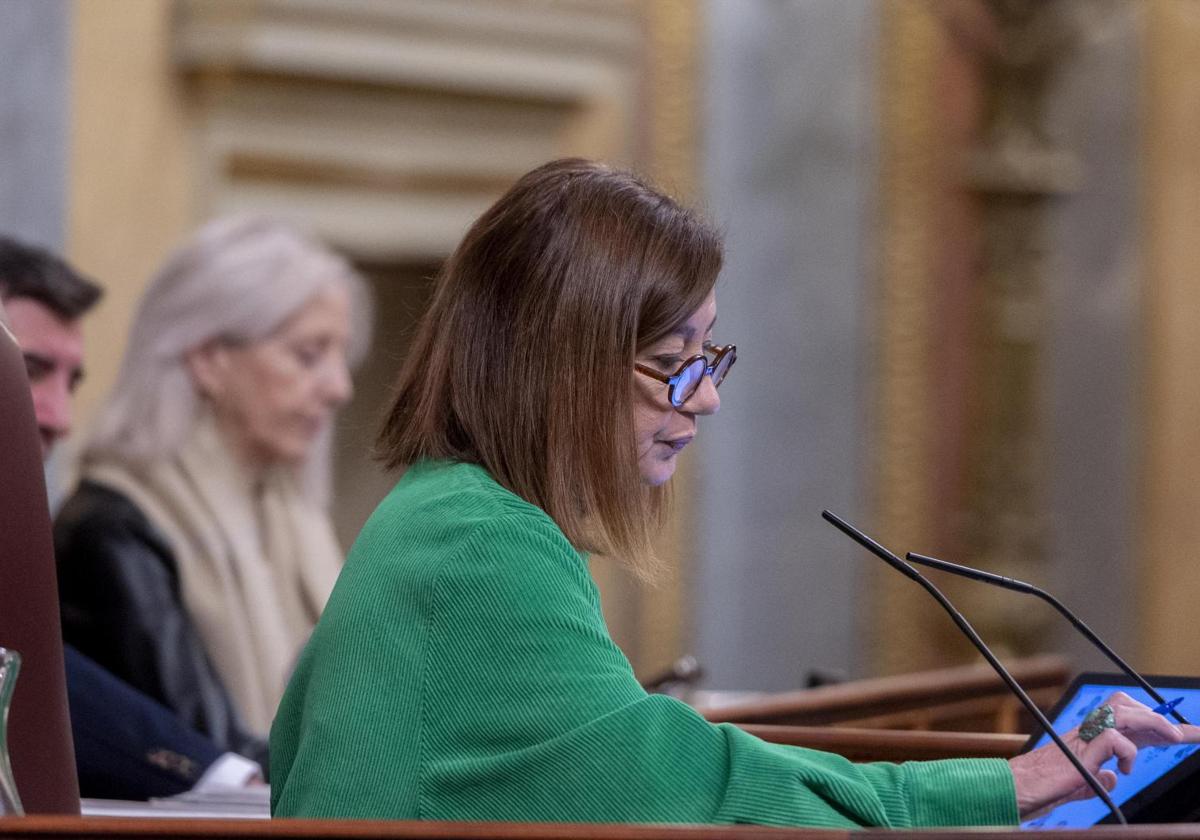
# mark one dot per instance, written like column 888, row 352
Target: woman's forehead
column 699, row 322
column 328, row 307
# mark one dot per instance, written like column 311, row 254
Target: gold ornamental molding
column 1169, row 587
column 911, row 43
column 673, row 37
column 674, row 31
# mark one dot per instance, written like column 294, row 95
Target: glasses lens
column 689, row 381
column 723, row 367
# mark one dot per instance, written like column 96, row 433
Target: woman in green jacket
column 462, row 669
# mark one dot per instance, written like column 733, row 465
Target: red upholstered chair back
column 39, row 723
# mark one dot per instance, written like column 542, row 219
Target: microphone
column 1029, row 589
column 969, row 631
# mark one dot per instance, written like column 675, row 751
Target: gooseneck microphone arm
column 969, row 631
column 1029, row 589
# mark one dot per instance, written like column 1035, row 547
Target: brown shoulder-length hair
column 523, row 362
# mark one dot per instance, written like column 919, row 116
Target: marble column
column 34, row 115
column 790, row 171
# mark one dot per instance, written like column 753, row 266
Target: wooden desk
column 891, row 744
column 100, row 828
column 966, row 699
column 856, row 744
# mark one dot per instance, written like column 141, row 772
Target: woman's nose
column 705, row 401
column 337, row 386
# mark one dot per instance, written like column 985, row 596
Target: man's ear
column 5, row 331
column 209, row 365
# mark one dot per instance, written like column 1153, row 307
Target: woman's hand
column 1045, row 778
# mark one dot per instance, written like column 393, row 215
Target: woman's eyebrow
column 686, row 332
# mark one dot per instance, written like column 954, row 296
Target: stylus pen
column 1168, row 706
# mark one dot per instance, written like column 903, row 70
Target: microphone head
column 870, row 545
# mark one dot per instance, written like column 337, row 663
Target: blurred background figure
column 126, row 745
column 45, row 300
column 964, row 281
column 196, row 553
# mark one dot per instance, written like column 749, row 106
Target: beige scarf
column 256, row 560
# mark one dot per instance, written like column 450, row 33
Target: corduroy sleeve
column 530, row 712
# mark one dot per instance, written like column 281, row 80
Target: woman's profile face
column 274, row 396
column 661, row 431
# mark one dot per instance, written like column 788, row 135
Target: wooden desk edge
column 896, row 691
column 78, row 828
column 891, row 744
column 109, row 828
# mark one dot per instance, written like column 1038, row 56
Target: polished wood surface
column 108, row 828
column 969, row 698
column 889, row 744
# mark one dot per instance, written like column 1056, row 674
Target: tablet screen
column 1151, row 765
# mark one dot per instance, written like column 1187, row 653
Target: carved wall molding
column 545, row 51
column 388, row 125
column 1016, row 170
column 963, row 461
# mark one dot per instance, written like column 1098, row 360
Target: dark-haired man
column 45, row 300
column 126, row 745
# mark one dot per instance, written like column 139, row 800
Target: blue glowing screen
column 1152, row 762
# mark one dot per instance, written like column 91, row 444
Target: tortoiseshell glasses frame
column 683, row 383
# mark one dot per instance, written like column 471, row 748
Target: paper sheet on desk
column 250, row 803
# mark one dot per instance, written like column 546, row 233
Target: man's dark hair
column 27, row 271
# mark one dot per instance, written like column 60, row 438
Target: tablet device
column 1165, row 783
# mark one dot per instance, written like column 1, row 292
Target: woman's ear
column 209, row 366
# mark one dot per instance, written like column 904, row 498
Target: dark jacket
column 126, row 745
column 122, row 607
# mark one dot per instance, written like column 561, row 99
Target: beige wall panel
column 414, row 133
column 1171, row 399
column 129, row 194
column 371, row 226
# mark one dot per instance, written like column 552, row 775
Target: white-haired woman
column 197, row 553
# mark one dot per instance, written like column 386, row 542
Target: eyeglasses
column 682, row 384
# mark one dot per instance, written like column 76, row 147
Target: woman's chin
column 658, row 472
column 287, row 453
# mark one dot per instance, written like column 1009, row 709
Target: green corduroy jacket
column 462, row 671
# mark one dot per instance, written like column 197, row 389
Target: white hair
column 237, row 279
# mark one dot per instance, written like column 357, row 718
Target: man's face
column 53, row 351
